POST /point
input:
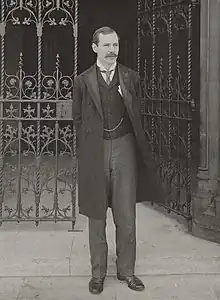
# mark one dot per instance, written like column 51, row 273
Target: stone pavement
column 50, row 263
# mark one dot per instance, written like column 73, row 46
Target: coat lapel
column 124, row 83
column 93, row 88
column 92, row 84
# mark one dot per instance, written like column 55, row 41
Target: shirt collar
column 102, row 68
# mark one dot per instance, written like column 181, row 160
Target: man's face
column 107, row 49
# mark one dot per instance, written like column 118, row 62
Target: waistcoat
column 115, row 114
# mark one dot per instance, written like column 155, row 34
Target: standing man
column 114, row 158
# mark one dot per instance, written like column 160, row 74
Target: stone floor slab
column 153, row 265
column 35, row 253
column 170, row 288
column 214, row 282
column 68, row 288
column 10, row 287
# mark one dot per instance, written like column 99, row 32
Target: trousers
column 120, row 171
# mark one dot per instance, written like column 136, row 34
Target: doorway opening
column 120, row 15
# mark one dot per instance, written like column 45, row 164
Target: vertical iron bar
column 1, row 106
column 19, row 203
column 153, row 133
column 160, row 150
column 138, row 64
column 144, row 118
column 76, row 19
column 39, row 64
column 58, row 4
column 55, row 205
column 73, row 190
column 178, row 158
column 189, row 125
column 170, row 55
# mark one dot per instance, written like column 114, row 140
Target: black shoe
column 96, row 285
column 134, row 283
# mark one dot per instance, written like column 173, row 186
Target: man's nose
column 111, row 48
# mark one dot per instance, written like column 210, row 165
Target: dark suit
column 139, row 181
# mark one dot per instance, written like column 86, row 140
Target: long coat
column 88, row 115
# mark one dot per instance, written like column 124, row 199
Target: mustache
column 111, row 55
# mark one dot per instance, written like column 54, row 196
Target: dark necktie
column 108, row 75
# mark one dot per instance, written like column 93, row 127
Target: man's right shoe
column 96, row 285
column 134, row 283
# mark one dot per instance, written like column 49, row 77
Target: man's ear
column 94, row 47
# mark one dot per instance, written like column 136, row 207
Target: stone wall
column 206, row 201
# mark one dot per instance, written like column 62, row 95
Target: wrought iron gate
column 168, row 61
column 37, row 134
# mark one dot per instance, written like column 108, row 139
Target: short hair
column 102, row 30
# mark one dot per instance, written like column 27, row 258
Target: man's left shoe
column 134, row 283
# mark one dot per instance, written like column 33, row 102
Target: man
column 114, row 161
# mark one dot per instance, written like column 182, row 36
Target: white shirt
column 102, row 68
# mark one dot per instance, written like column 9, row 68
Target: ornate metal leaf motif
column 38, row 150
column 52, row 21
column 11, row 3
column 46, row 95
column 48, row 111
column 166, row 70
column 48, row 132
column 66, row 133
column 65, row 210
column 65, row 82
column 50, row 82
column 29, row 136
column 28, row 211
column 16, row 21
column 63, row 21
column 48, row 3
column 26, row 21
column 9, row 210
column 13, row 81
column 67, row 3
column 45, row 209
column 29, row 112
column 28, row 83
column 30, row 3
column 11, row 111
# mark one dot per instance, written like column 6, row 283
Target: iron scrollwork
column 165, row 65
column 37, row 133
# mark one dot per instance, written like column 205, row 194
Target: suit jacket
column 88, row 116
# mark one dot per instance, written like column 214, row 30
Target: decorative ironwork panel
column 168, row 46
column 37, row 134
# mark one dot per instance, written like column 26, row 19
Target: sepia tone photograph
column 109, row 149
